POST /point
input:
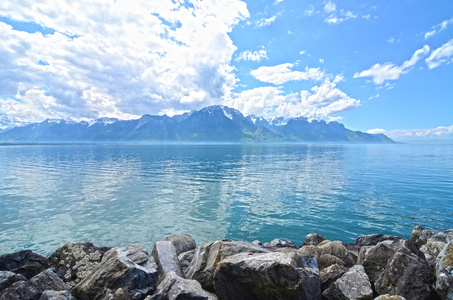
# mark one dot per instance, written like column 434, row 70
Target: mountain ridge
column 217, row 123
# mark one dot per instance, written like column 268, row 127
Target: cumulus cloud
column 440, row 56
column 116, row 58
column 280, row 74
column 266, row 21
column 253, row 56
column 389, row 71
column 438, row 28
column 409, row 134
column 325, row 101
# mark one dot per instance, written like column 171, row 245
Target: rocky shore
column 374, row 267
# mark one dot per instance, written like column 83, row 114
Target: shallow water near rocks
column 115, row 195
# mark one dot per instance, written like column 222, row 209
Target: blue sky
column 376, row 66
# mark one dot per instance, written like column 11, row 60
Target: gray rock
column 313, row 239
column 420, row 236
column 164, row 254
column 7, row 278
column 445, row 258
column 431, row 250
column 174, row 287
column 187, row 262
column 408, row 275
column 273, row 275
column 444, row 283
column 49, row 280
column 182, row 242
column 374, row 239
column 22, row 290
column 277, row 243
column 27, row 263
column 210, row 254
column 389, row 297
column 129, row 268
column 76, row 261
column 330, row 274
column 374, row 258
column 354, row 284
column 444, row 236
column 57, row 295
column 328, row 253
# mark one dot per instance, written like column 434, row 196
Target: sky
column 377, row 66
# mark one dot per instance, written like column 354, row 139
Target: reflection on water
column 123, row 194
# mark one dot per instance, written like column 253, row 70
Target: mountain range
column 211, row 124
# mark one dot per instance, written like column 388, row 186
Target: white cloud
column 330, row 7
column 321, row 60
column 302, row 52
column 389, row 71
column 282, row 73
column 310, row 11
column 117, row 59
column 440, row 56
column 266, row 21
column 325, row 101
column 441, row 132
column 253, row 56
column 438, row 28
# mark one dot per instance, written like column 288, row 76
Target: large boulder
column 22, row 290
column 57, row 295
column 389, row 297
column 374, row 258
column 313, row 239
column 50, row 280
column 7, row 278
column 129, row 268
column 273, row 275
column 328, row 253
column 444, row 272
column 374, row 239
column 27, row 263
column 76, row 261
column 330, row 274
column 210, row 254
column 174, row 287
column 399, row 277
column 187, row 262
column 182, row 242
column 354, row 284
column 420, row 236
column 164, row 254
column 278, row 243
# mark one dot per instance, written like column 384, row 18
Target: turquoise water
column 115, row 195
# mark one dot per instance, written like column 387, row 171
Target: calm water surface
column 115, row 195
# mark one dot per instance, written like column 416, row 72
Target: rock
column 444, row 283
column 7, row 278
column 121, row 294
column 210, row 254
column 420, row 236
column 182, row 242
column 174, row 287
column 187, row 262
column 328, row 253
column 22, row 290
column 374, row 239
column 164, row 254
column 389, row 297
column 57, row 295
column 313, row 239
column 129, row 268
column 444, row 236
column 406, row 274
column 431, row 250
column 330, row 274
column 76, row 261
column 256, row 242
column 445, row 258
column 273, row 275
column 374, row 258
column 27, row 263
column 49, row 280
column 354, row 284
column 277, row 243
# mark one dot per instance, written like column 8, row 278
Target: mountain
column 211, row 124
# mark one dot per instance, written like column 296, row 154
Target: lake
column 115, row 195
